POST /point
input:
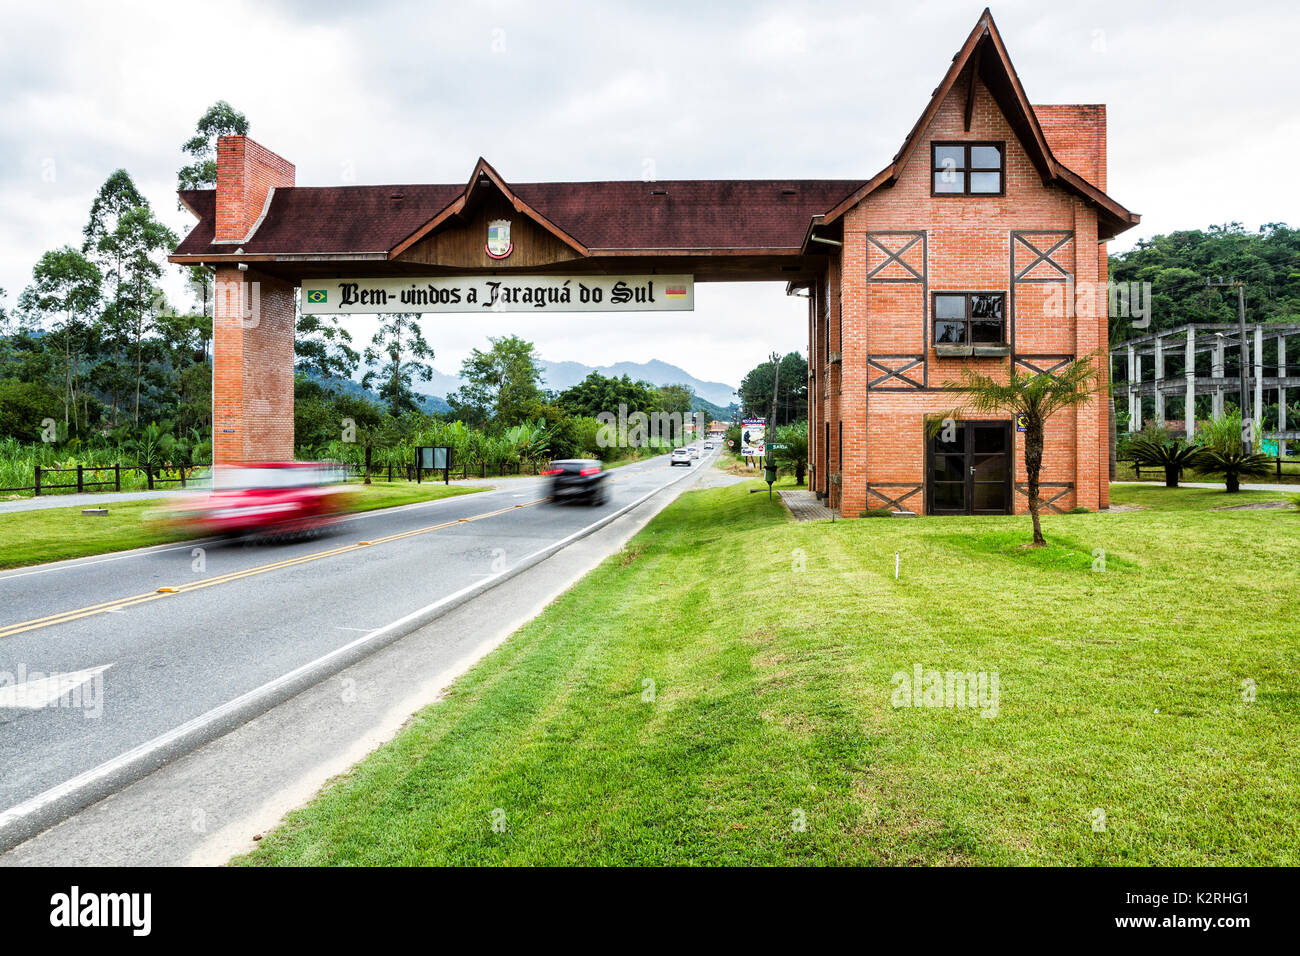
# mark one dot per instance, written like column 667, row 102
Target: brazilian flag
column 317, row 295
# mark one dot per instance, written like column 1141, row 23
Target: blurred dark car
column 267, row 498
column 578, row 479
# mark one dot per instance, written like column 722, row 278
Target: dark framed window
column 968, row 169
column 969, row 318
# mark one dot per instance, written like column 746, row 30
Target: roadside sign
column 433, row 458
column 753, row 433
column 1022, row 422
column 775, row 447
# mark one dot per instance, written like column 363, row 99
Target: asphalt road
column 232, row 617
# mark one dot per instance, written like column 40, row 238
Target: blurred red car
column 272, row 498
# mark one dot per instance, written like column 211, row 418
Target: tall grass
column 19, row 460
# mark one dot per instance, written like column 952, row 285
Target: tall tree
column 323, row 347
column 502, row 384
column 135, row 244
column 791, row 390
column 598, row 393
column 115, row 199
column 66, row 291
column 402, row 356
column 221, row 119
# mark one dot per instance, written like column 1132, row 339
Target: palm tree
column 1032, row 400
column 795, row 439
column 1233, row 465
column 1173, row 456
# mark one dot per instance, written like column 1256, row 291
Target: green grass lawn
column 1119, row 690
column 56, row 534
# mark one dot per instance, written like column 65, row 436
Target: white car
column 680, row 456
column 695, row 451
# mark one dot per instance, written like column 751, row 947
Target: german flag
column 676, row 292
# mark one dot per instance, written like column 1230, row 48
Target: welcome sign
column 500, row 294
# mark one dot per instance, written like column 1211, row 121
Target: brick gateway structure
column 982, row 244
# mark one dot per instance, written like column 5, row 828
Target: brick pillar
column 853, row 339
column 252, row 324
column 1103, row 379
column 1091, row 424
column 835, row 460
column 252, row 368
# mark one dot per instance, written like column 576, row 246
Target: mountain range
column 558, row 376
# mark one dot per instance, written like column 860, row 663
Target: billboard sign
column 753, row 437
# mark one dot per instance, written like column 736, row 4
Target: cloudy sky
column 1201, row 98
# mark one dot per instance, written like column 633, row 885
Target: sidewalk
column 804, row 505
column 1295, row 489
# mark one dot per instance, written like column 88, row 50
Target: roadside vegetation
column 724, row 690
column 57, row 534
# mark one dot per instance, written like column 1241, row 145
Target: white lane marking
column 142, row 751
column 40, row 693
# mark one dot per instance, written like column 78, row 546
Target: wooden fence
column 88, row 477
column 162, row 475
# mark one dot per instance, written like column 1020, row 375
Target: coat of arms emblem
column 498, row 239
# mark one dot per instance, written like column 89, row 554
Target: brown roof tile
column 677, row 214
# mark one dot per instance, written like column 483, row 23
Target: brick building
column 982, row 244
column 971, row 249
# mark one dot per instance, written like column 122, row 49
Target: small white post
column 1189, row 402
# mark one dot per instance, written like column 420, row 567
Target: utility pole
column 776, row 379
column 1247, row 426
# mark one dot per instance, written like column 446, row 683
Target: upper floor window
column 967, row 169
column 969, row 318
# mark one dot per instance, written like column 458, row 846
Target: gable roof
column 984, row 55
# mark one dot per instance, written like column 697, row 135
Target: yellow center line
column 65, row 617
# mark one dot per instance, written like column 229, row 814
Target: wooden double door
column 969, row 470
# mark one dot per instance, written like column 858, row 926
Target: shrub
column 1172, row 456
column 1233, row 466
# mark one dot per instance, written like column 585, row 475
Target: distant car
column 695, row 451
column 708, row 446
column 578, row 479
column 680, row 456
column 270, row 498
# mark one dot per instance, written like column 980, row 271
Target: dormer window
column 967, row 169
